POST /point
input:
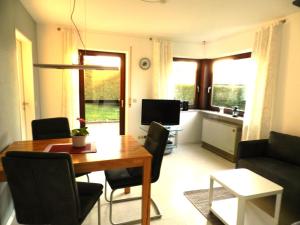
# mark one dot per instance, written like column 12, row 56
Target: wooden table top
column 116, row 152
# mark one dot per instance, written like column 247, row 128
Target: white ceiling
column 181, row 20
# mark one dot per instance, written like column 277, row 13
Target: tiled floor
column 187, row 168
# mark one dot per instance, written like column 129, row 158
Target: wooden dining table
column 111, row 153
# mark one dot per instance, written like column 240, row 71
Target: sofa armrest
column 253, row 148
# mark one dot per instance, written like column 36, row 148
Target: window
column 230, row 80
column 183, row 79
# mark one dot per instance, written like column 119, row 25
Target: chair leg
column 99, row 212
column 111, row 201
column 88, row 178
column 105, row 191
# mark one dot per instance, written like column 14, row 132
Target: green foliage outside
column 185, row 92
column 101, row 113
column 102, row 85
column 229, row 96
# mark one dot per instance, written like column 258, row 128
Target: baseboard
column 6, row 205
column 11, row 218
column 219, row 152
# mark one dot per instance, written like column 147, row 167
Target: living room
column 48, row 46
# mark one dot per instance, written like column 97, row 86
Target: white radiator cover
column 219, row 134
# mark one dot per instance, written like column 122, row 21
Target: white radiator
column 219, row 134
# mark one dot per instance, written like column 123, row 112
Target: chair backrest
column 43, row 187
column 155, row 143
column 57, row 127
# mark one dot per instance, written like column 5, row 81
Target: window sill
column 190, row 110
column 223, row 117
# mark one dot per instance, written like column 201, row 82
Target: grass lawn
column 101, row 113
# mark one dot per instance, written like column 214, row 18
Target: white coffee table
column 244, row 185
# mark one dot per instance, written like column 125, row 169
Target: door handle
column 122, row 103
column 208, row 90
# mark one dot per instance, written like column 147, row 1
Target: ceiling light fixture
column 296, row 3
column 75, row 66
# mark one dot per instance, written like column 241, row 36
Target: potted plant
column 79, row 135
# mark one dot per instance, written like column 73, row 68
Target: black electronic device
column 185, row 105
column 166, row 112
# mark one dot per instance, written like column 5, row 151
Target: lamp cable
column 72, row 13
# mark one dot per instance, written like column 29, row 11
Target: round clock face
column 145, row 63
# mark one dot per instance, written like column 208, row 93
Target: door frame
column 122, row 106
column 25, row 82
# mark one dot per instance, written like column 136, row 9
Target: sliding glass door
column 102, row 92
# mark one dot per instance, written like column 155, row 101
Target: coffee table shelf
column 244, row 185
column 226, row 210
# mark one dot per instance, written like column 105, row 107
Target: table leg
column 146, row 192
column 211, row 190
column 241, row 211
column 277, row 208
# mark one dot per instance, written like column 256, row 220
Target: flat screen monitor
column 166, row 112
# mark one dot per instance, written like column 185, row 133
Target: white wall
column 189, row 50
column 234, row 44
column 191, row 124
column 287, row 107
column 12, row 16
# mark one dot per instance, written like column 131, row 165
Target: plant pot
column 78, row 141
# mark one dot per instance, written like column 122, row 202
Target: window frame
column 195, row 104
column 234, row 57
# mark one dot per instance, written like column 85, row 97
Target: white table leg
column 211, row 190
column 241, row 211
column 277, row 208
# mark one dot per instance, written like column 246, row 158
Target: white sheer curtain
column 162, row 69
column 69, row 83
column 259, row 105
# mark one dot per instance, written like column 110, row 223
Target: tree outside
column 102, row 91
column 185, row 92
column 228, row 96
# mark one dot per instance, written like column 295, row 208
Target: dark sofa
column 277, row 159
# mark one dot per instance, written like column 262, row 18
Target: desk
column 118, row 152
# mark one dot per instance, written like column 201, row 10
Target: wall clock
column 145, row 63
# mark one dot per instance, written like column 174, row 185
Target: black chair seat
column 89, row 194
column 120, row 178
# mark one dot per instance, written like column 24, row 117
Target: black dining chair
column 51, row 128
column 44, row 189
column 155, row 143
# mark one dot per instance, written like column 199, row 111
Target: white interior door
column 25, row 84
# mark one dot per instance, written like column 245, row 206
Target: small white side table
column 244, row 185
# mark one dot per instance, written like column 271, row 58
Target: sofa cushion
column 285, row 174
column 284, row 147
